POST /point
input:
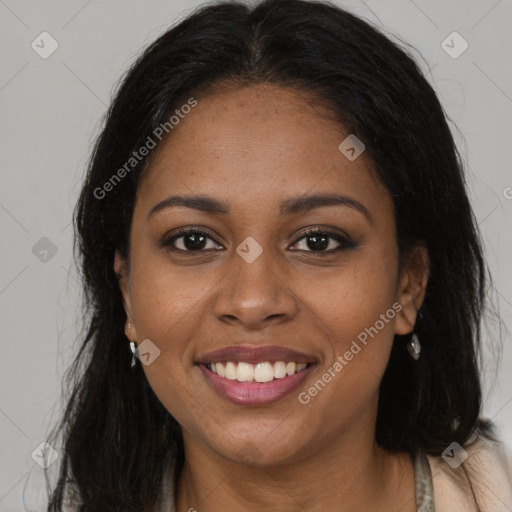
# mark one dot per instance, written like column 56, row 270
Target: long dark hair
column 117, row 437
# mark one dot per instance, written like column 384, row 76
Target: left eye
column 319, row 241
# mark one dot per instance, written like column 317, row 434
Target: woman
column 285, row 281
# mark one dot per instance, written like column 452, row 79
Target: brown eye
column 318, row 240
column 191, row 240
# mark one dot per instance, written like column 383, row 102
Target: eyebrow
column 290, row 206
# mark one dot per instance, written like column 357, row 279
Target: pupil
column 320, row 242
column 197, row 239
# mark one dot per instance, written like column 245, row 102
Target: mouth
column 253, row 376
column 260, row 372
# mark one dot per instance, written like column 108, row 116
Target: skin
column 252, row 148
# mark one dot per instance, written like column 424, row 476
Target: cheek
column 165, row 309
column 348, row 300
column 356, row 312
column 166, row 299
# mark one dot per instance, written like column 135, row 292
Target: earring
column 133, row 348
column 414, row 347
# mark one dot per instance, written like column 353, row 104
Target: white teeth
column 261, row 372
column 230, row 371
column 279, row 369
column 290, row 368
column 244, row 372
column 221, row 371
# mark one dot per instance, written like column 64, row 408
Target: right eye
column 190, row 240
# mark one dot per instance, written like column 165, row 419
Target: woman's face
column 258, row 281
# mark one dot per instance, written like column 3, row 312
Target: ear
column 121, row 270
column 412, row 287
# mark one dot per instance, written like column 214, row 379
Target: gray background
column 51, row 111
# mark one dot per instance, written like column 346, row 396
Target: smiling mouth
column 255, row 375
column 264, row 371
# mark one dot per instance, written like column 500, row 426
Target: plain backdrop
column 51, row 110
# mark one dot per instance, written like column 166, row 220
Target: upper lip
column 255, row 354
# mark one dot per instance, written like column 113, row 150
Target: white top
column 491, row 463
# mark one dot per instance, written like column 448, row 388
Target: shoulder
column 489, row 466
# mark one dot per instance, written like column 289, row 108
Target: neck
column 347, row 474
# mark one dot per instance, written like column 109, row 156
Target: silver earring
column 414, row 347
column 133, row 348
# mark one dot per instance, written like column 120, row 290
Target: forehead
column 249, row 146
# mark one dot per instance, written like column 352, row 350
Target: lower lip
column 255, row 393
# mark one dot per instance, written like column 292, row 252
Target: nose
column 255, row 294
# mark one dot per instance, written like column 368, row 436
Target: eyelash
column 344, row 241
